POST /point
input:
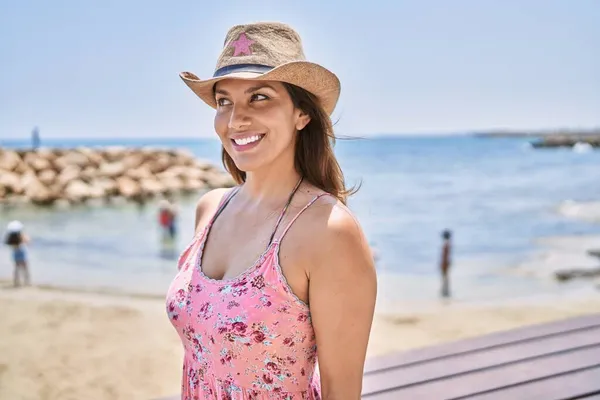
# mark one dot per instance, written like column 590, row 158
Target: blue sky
column 88, row 69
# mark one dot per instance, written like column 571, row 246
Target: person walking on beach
column 16, row 239
column 445, row 262
column 279, row 273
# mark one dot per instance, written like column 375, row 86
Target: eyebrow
column 249, row 90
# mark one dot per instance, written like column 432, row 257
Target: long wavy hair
column 314, row 157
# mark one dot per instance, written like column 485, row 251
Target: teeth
column 246, row 140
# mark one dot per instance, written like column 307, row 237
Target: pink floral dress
column 248, row 337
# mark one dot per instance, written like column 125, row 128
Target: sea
column 498, row 196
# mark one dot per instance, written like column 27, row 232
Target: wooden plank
column 495, row 378
column 595, row 396
column 482, row 359
column 532, row 332
column 584, row 384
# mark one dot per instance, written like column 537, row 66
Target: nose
column 239, row 118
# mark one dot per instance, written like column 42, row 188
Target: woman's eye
column 259, row 97
column 223, row 102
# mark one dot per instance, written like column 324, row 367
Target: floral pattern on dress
column 244, row 338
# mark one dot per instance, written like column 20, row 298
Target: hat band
column 230, row 69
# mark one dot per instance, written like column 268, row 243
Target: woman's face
column 256, row 122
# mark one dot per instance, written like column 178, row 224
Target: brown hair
column 314, row 158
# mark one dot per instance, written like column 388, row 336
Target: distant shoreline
column 583, row 133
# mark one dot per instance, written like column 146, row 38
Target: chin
column 248, row 164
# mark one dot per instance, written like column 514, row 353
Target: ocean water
column 496, row 195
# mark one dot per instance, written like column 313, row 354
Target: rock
column 568, row 274
column 36, row 191
column 567, row 140
column 47, row 154
column 75, row 158
column 127, row 187
column 68, row 174
column 159, row 164
column 133, row 161
column 94, row 158
column 118, row 200
column 193, row 174
column 216, row 180
column 194, row 185
column 11, row 182
column 203, row 165
column 77, row 191
column 62, row 203
column 36, row 162
column 96, row 190
column 151, row 186
column 172, row 183
column 89, row 173
column 594, row 252
column 47, row 176
column 141, row 172
column 109, row 186
column 22, row 167
column 27, row 179
column 9, row 160
column 114, row 153
column 111, row 170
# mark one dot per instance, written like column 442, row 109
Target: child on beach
column 16, row 239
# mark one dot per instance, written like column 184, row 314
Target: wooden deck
column 553, row 361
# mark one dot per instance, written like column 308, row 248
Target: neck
column 270, row 186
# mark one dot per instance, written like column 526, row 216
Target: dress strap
column 310, row 203
column 284, row 210
column 224, row 201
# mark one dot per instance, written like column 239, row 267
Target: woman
column 279, row 273
column 16, row 239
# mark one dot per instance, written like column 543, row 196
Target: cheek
column 220, row 124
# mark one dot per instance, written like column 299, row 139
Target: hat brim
column 312, row 77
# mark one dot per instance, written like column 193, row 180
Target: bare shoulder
column 334, row 232
column 211, row 198
column 335, row 220
column 208, row 204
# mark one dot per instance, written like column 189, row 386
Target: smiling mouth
column 247, row 140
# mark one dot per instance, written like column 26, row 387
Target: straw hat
column 267, row 51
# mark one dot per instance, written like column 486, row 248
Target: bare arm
column 342, row 293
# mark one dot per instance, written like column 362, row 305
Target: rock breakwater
column 48, row 176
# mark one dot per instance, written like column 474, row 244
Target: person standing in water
column 168, row 218
column 445, row 262
column 16, row 239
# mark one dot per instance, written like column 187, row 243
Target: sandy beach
column 62, row 344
